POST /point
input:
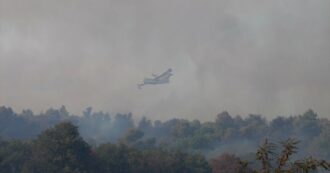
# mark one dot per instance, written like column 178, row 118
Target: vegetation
column 266, row 155
column 229, row 163
column 61, row 149
column 52, row 142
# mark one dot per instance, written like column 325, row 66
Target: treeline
column 62, row 149
column 233, row 134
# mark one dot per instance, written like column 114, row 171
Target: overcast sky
column 244, row 56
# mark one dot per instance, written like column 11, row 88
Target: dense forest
column 57, row 141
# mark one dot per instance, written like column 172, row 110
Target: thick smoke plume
column 263, row 57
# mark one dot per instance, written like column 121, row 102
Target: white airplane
column 158, row 79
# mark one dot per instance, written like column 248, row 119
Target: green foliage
column 132, row 136
column 320, row 145
column 190, row 136
column 154, row 147
column 310, row 164
column 13, row 155
column 60, row 149
column 229, row 163
column 123, row 159
column 307, row 125
column 289, row 148
column 114, row 158
column 266, row 154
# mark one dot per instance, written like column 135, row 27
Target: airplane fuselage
column 155, row 81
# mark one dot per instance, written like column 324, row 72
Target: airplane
column 158, row 79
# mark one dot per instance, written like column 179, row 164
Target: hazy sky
column 244, row 56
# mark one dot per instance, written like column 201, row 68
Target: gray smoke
column 264, row 57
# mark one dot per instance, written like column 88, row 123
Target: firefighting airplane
column 157, row 79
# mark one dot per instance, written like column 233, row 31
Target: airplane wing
column 163, row 76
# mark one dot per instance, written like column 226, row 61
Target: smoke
column 263, row 57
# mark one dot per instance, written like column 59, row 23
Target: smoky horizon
column 244, row 57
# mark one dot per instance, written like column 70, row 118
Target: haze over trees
column 56, row 141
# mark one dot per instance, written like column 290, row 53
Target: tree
column 60, row 149
column 144, row 124
column 196, row 163
column 13, row 155
column 266, row 154
column 281, row 128
column 320, row 144
column 307, row 125
column 121, row 124
column 182, row 129
column 255, row 127
column 228, row 163
column 114, row 158
column 132, row 136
